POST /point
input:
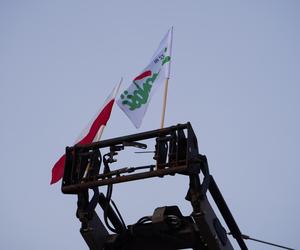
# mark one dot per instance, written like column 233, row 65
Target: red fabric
column 143, row 75
column 58, row 170
column 102, row 118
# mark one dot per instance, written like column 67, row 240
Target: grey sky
column 234, row 76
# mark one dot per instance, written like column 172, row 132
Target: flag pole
column 170, row 41
column 164, row 103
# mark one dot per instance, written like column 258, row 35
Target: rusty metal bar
column 134, row 137
column 71, row 189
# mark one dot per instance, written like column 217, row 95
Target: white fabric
column 135, row 99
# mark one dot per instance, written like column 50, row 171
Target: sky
column 234, row 76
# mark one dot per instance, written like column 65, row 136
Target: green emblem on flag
column 140, row 95
column 166, row 58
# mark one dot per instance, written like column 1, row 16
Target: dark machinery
column 176, row 152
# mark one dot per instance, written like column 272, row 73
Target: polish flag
column 92, row 133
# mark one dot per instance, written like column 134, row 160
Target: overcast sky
column 235, row 76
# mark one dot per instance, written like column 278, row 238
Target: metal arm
column 176, row 152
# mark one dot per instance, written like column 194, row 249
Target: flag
column 135, row 99
column 91, row 134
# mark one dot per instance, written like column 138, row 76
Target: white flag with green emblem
column 135, row 99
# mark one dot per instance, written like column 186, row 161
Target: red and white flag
column 91, row 134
